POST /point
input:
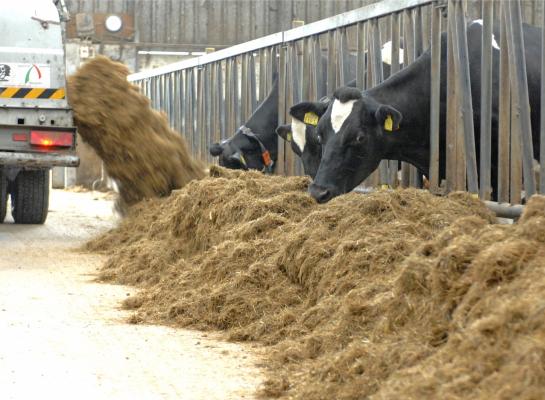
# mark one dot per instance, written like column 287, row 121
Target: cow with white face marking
column 301, row 133
column 392, row 120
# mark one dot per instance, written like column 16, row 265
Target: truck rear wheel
column 3, row 195
column 30, row 197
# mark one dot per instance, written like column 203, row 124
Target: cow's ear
column 284, row 131
column 215, row 149
column 345, row 93
column 388, row 117
column 309, row 112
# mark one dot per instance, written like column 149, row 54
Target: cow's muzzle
column 321, row 194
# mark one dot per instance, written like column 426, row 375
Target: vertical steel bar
column 360, row 64
column 418, row 33
column 344, row 57
column 282, row 72
column 291, row 94
column 394, row 26
column 190, row 119
column 486, row 102
column 228, row 98
column 520, row 88
column 331, row 63
column 221, row 100
column 244, row 103
column 504, row 113
column 515, row 145
column 408, row 173
column 321, row 85
column 542, row 127
column 455, row 157
column 208, row 111
column 435, row 99
column 262, row 75
column 464, row 84
column 236, row 93
column 305, row 78
column 253, row 83
column 293, row 64
column 376, row 55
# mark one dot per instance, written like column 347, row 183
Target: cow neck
column 264, row 120
column 409, row 92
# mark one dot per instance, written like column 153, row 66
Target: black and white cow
column 301, row 133
column 391, row 121
column 255, row 144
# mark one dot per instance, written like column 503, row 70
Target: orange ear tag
column 266, row 157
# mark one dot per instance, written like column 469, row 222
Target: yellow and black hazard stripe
column 31, row 93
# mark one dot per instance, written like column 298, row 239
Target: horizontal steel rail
column 345, row 19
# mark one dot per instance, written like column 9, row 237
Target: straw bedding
column 389, row 295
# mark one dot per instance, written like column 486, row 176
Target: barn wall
column 213, row 22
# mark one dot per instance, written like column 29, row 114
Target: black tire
column 3, row 196
column 30, row 197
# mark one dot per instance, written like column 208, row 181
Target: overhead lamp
column 113, row 23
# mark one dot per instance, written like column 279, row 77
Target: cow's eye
column 360, row 139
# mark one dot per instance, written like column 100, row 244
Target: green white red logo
column 33, row 67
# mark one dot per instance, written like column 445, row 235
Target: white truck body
column 37, row 129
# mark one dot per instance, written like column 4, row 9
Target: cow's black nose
column 322, row 195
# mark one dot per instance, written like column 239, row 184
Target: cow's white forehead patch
column 494, row 43
column 298, row 131
column 386, row 53
column 340, row 112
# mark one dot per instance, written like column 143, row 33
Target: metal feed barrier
column 208, row 97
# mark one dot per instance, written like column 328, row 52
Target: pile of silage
column 139, row 149
column 390, row 295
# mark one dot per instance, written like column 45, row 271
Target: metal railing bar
column 520, row 86
column 345, row 19
column 435, row 96
column 486, row 102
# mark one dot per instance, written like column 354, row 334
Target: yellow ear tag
column 389, row 124
column 288, row 137
column 311, row 119
column 242, row 159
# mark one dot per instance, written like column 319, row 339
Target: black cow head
column 239, row 152
column 353, row 134
column 301, row 134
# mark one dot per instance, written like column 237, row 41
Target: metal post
column 282, row 72
column 360, row 65
column 486, row 101
column 305, row 78
column 435, row 92
column 504, row 112
column 331, row 62
column 321, row 86
column 520, row 85
column 221, row 100
column 464, row 84
column 542, row 132
column 253, row 84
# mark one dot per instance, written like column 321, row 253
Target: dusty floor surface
column 63, row 336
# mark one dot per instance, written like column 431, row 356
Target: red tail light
column 51, row 139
